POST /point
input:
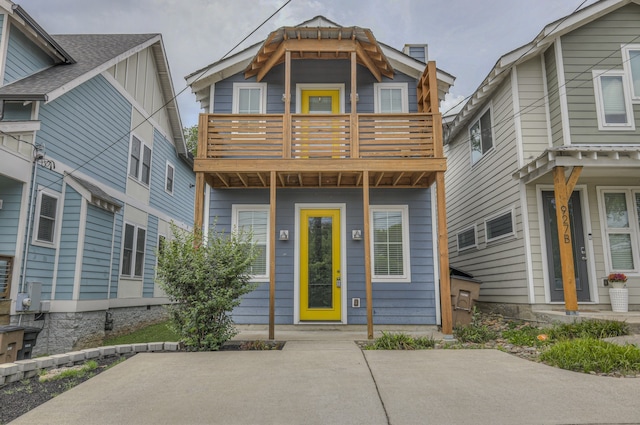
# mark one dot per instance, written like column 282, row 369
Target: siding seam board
column 517, row 121
column 562, row 93
column 4, row 44
column 54, row 281
column 545, row 86
column 80, row 249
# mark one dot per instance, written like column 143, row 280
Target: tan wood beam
column 270, row 63
column 300, row 182
column 339, row 179
column 443, row 255
column 203, row 131
column 397, row 178
column 272, row 255
column 379, row 179
column 562, row 192
column 198, row 218
column 359, row 180
column 281, row 177
column 364, row 57
column 243, row 179
column 353, row 119
column 223, row 179
column 326, row 45
column 262, row 180
column 367, row 253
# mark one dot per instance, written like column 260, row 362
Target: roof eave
column 57, row 50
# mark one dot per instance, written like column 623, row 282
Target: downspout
column 37, row 156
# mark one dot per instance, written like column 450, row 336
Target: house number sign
column 565, row 224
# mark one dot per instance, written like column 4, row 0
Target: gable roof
column 549, row 34
column 201, row 79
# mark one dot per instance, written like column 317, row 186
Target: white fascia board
column 403, row 63
column 220, row 70
column 99, row 69
column 19, row 126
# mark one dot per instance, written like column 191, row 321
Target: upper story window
column 613, row 103
column 133, row 250
column 169, row 176
column 467, row 238
column 500, row 226
column 390, row 240
column 255, row 219
column 390, row 98
column 140, row 161
column 631, row 61
column 17, row 111
column 249, row 98
column 45, row 223
column 481, row 136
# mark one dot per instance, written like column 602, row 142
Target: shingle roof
column 89, row 50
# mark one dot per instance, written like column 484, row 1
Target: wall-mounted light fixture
column 357, row 97
column 284, row 235
column 284, row 97
column 356, row 235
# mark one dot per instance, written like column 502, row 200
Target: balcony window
column 249, row 98
column 391, row 98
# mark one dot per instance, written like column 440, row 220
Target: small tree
column 205, row 282
column 191, row 138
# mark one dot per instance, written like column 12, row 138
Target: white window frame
column 633, row 229
column 132, row 272
column 166, row 177
column 597, row 86
column 378, row 87
column 626, row 62
column 475, row 238
column 235, row 104
column 36, row 219
column 406, row 251
column 300, row 87
column 143, row 146
column 487, row 109
column 493, row 217
column 235, row 210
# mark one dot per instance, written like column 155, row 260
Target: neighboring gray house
column 570, row 98
column 93, row 168
column 304, row 135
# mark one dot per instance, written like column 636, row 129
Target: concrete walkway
column 331, row 381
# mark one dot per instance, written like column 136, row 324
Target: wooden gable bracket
column 562, row 191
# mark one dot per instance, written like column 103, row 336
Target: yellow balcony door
column 320, row 101
column 320, row 278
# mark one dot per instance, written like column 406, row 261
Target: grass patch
column 588, row 329
column 400, row 341
column 160, row 332
column 527, row 335
column 593, row 355
column 85, row 370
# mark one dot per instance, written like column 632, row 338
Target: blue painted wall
column 68, row 245
column 23, row 57
column 96, row 260
column 150, row 257
column 312, row 71
column 11, row 195
column 92, row 118
column 180, row 203
column 394, row 303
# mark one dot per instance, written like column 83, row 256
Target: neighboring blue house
column 93, row 169
column 328, row 177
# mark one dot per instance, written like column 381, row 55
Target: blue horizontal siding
column 23, row 57
column 11, row 195
column 417, row 298
column 96, row 257
column 68, row 245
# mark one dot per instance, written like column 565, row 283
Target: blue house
column 327, row 144
column 93, row 169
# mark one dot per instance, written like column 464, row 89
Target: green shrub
column 474, row 332
column 588, row 329
column 526, row 336
column 205, row 282
column 593, row 355
column 400, row 341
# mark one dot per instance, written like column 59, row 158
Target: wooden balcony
column 399, row 150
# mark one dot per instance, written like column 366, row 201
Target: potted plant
column 618, row 292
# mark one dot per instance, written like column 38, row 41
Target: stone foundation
column 64, row 332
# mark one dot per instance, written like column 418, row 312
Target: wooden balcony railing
column 278, row 136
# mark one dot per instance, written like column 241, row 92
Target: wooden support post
column 272, row 255
column 355, row 137
column 198, row 219
column 287, row 106
column 562, row 190
column 443, row 254
column 367, row 252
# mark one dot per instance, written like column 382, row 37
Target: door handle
column 338, row 282
column 584, row 253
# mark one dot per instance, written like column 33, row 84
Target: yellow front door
column 320, row 278
column 320, row 102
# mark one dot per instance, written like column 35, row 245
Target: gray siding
column 68, row 245
column 150, row 257
column 394, row 303
column 309, row 72
column 533, row 116
column 11, row 195
column 90, row 121
column 555, row 114
column 597, row 46
column 96, row 260
column 23, row 57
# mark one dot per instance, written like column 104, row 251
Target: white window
column 45, row 220
column 613, row 103
column 481, row 136
column 467, row 238
column 133, row 249
column 390, row 240
column 390, row 98
column 168, row 179
column 620, row 209
column 140, row 161
column 249, row 98
column 499, row 226
column 255, row 219
column 631, row 61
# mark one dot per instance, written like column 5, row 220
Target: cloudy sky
column 465, row 37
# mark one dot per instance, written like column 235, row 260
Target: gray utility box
column 465, row 291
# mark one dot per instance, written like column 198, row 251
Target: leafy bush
column 400, row 341
column 205, row 282
column 593, row 355
column 589, row 329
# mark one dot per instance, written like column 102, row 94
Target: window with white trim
column 467, row 238
column 481, row 136
column 621, row 211
column 133, row 250
column 140, row 161
column 390, row 98
column 631, row 62
column 500, row 226
column 45, row 222
column 168, row 178
column 249, row 98
column 255, row 219
column 613, row 103
column 390, row 243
